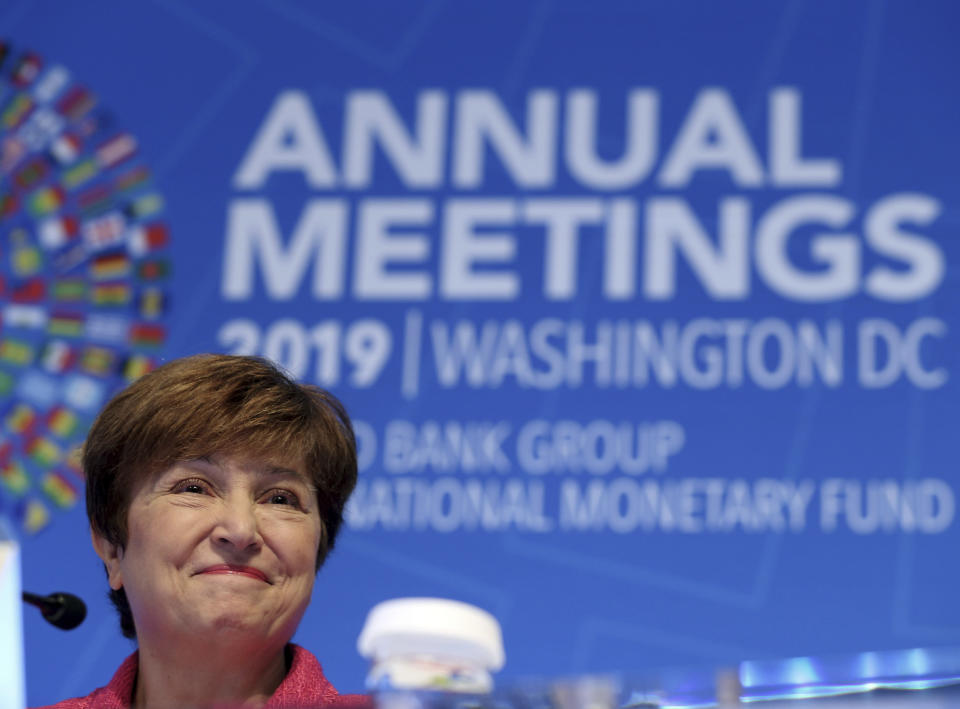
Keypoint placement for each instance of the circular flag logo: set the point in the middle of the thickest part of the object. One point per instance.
(83, 273)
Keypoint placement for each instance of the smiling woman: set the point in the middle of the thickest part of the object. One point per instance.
(215, 490)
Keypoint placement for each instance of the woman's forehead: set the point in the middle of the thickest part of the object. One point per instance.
(264, 464)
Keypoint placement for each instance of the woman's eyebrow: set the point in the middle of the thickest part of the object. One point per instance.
(281, 471)
(264, 470)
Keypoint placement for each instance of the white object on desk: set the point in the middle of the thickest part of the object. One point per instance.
(431, 643)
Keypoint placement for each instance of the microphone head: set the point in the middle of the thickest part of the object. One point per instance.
(68, 611)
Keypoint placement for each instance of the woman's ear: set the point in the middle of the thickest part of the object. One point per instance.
(111, 554)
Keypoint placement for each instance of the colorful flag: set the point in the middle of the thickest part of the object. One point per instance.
(8, 204)
(66, 324)
(21, 419)
(31, 174)
(57, 356)
(144, 239)
(116, 150)
(43, 451)
(14, 477)
(41, 126)
(110, 266)
(11, 150)
(27, 260)
(66, 148)
(104, 232)
(45, 200)
(51, 83)
(38, 389)
(69, 258)
(60, 490)
(70, 289)
(136, 366)
(55, 232)
(151, 303)
(107, 328)
(32, 290)
(78, 174)
(105, 295)
(6, 383)
(16, 352)
(146, 335)
(26, 69)
(83, 393)
(76, 102)
(99, 361)
(153, 270)
(74, 460)
(35, 516)
(62, 422)
(144, 207)
(132, 180)
(31, 317)
(95, 200)
(17, 110)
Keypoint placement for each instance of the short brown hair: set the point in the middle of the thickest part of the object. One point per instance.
(206, 404)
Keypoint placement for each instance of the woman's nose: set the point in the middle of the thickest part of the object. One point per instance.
(237, 524)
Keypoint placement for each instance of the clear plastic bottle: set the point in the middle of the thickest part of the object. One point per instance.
(422, 650)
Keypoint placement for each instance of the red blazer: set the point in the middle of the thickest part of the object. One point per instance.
(302, 688)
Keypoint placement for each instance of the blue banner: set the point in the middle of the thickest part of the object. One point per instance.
(645, 312)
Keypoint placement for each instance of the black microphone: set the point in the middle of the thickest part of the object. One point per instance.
(63, 610)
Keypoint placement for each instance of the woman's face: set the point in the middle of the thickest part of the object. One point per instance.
(223, 544)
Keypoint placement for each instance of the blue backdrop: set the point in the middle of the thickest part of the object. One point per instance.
(646, 311)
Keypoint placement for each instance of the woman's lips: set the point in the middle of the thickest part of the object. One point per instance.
(234, 569)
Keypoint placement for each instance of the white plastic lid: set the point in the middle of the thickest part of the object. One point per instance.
(432, 626)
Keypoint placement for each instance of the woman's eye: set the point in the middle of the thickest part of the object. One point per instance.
(282, 497)
(193, 486)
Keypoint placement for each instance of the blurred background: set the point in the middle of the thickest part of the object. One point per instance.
(645, 311)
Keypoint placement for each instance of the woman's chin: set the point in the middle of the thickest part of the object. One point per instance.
(234, 632)
(234, 624)
(227, 616)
